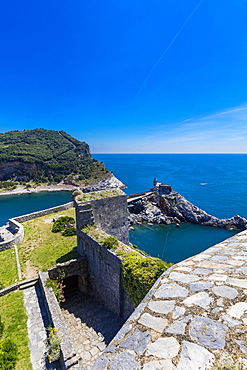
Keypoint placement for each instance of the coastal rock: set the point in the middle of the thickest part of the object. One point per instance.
(110, 182)
(174, 208)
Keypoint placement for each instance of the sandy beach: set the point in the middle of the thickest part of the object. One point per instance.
(37, 189)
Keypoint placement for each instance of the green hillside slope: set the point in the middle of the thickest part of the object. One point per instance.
(46, 155)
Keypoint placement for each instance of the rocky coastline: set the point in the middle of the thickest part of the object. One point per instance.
(50, 188)
(155, 207)
(161, 205)
(110, 182)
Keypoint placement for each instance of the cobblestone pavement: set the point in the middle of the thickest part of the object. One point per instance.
(194, 316)
(91, 326)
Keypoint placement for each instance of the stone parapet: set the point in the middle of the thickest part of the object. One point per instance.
(44, 212)
(194, 316)
(68, 356)
(20, 285)
(15, 233)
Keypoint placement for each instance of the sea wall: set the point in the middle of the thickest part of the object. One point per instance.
(44, 212)
(105, 276)
(194, 317)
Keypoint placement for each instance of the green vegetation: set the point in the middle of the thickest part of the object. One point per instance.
(53, 345)
(110, 242)
(58, 289)
(54, 156)
(14, 318)
(140, 273)
(8, 354)
(69, 231)
(41, 248)
(76, 192)
(229, 365)
(99, 195)
(62, 223)
(8, 275)
(8, 185)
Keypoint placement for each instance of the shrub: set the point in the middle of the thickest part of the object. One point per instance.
(53, 345)
(76, 192)
(110, 243)
(69, 231)
(140, 273)
(58, 289)
(8, 354)
(61, 223)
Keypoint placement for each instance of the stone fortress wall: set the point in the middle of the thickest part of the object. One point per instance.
(104, 267)
(104, 276)
(110, 214)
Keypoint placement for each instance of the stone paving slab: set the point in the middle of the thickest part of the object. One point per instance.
(91, 326)
(195, 315)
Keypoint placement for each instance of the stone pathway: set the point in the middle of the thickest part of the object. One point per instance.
(36, 324)
(91, 326)
(36, 328)
(194, 316)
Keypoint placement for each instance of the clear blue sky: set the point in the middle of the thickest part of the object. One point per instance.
(127, 76)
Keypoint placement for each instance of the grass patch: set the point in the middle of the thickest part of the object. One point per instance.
(42, 247)
(8, 269)
(14, 318)
(99, 195)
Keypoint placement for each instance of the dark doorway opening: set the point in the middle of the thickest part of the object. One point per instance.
(71, 283)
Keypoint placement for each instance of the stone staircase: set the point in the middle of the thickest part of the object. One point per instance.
(90, 325)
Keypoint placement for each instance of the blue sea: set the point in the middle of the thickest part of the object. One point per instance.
(17, 205)
(217, 183)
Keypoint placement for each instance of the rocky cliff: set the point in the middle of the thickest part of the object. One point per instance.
(174, 208)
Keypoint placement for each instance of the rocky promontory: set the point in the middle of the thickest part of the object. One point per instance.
(166, 207)
(109, 182)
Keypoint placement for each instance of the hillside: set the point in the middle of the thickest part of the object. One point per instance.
(46, 156)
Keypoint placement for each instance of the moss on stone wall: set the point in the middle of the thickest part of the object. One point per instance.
(140, 273)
